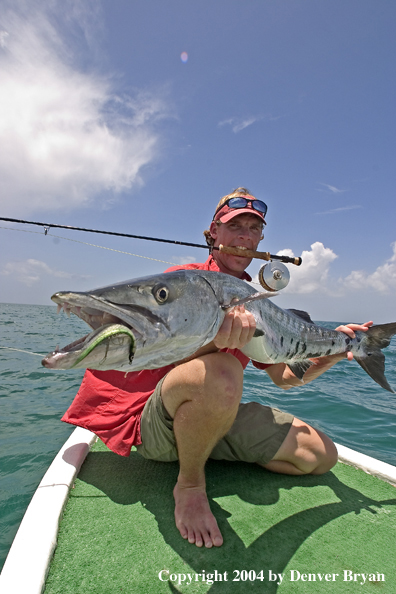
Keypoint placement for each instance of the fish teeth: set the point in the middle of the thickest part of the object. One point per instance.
(58, 308)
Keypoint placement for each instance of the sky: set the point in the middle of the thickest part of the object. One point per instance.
(136, 117)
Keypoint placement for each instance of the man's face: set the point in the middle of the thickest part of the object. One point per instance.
(244, 230)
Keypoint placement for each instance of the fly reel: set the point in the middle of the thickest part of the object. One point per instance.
(274, 276)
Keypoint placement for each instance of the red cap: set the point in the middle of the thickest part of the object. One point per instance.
(226, 213)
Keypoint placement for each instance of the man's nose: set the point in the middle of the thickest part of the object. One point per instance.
(246, 232)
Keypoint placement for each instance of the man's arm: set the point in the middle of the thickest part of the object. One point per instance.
(284, 378)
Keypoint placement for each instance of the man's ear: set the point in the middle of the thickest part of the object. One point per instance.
(213, 229)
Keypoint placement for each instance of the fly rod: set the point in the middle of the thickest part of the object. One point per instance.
(228, 250)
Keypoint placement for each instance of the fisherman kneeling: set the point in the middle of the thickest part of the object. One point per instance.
(191, 411)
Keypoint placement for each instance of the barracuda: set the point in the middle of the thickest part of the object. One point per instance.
(157, 320)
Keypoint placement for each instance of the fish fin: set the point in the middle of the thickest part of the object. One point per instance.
(254, 297)
(300, 367)
(373, 361)
(301, 314)
(374, 365)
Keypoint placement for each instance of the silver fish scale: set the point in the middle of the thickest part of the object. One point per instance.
(289, 338)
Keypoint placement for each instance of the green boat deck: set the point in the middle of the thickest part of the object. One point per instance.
(321, 533)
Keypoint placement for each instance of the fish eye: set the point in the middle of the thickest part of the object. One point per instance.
(161, 294)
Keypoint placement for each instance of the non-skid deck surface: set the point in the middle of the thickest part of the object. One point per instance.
(118, 532)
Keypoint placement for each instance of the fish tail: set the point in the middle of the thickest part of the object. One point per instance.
(373, 359)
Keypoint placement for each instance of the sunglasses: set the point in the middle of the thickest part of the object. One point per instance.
(241, 202)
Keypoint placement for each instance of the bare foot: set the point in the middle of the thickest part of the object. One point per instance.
(194, 519)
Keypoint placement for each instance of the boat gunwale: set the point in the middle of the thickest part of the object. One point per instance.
(36, 538)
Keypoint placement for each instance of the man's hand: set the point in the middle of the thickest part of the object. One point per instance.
(236, 330)
(350, 329)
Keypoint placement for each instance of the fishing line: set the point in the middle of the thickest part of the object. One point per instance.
(90, 244)
(104, 248)
(21, 351)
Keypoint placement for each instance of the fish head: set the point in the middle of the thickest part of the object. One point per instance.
(142, 323)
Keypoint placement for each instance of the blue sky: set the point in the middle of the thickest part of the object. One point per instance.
(104, 125)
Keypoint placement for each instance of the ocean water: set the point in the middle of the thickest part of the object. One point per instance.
(344, 403)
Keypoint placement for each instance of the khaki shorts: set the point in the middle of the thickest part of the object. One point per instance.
(256, 435)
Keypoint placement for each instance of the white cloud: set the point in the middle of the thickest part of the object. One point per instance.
(339, 209)
(67, 136)
(3, 39)
(383, 279)
(240, 123)
(331, 189)
(312, 275)
(31, 271)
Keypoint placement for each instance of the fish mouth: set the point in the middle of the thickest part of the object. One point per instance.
(98, 312)
(116, 328)
(104, 340)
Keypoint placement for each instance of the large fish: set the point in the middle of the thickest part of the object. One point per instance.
(157, 320)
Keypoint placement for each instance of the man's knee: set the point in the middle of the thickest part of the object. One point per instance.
(304, 451)
(317, 457)
(215, 381)
(223, 381)
(327, 458)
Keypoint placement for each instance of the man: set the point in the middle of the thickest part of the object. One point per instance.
(192, 410)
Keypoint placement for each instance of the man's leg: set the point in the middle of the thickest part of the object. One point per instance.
(202, 396)
(304, 451)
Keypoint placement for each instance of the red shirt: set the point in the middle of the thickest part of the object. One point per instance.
(110, 403)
